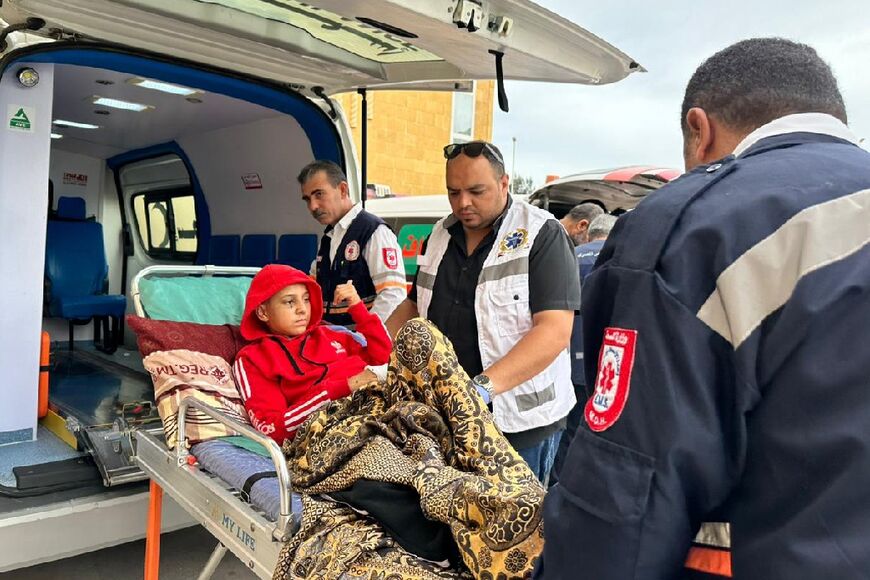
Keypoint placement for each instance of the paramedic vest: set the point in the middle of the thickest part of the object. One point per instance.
(349, 264)
(501, 304)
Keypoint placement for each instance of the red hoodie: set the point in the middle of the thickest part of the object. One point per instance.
(284, 379)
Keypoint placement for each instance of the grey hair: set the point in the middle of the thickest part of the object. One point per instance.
(601, 226)
(334, 173)
(585, 211)
(756, 81)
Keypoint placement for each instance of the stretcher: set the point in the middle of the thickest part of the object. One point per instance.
(248, 528)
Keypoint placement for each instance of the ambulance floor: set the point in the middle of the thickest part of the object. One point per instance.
(47, 447)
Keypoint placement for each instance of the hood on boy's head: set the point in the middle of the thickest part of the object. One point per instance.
(265, 284)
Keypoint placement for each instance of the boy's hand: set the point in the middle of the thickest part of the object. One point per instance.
(364, 378)
(346, 293)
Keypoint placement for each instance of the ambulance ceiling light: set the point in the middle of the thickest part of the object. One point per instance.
(28, 77)
(119, 104)
(63, 123)
(163, 87)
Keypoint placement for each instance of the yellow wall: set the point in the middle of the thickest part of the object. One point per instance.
(407, 132)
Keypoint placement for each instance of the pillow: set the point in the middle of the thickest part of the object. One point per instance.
(189, 359)
(223, 340)
(181, 373)
(202, 299)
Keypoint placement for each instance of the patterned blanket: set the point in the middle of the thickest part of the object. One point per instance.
(427, 428)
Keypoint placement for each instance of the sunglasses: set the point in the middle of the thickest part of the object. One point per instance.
(474, 149)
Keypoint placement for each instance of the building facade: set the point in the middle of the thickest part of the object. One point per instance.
(407, 131)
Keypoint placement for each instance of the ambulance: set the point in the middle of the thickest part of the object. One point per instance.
(169, 132)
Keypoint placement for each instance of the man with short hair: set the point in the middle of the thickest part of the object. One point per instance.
(586, 254)
(727, 346)
(576, 221)
(356, 246)
(498, 278)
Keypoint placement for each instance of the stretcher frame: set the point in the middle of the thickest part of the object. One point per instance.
(237, 525)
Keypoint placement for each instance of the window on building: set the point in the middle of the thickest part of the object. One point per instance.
(463, 117)
(166, 222)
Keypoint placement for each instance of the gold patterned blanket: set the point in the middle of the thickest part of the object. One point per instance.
(427, 428)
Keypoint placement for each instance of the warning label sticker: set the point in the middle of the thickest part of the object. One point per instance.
(20, 118)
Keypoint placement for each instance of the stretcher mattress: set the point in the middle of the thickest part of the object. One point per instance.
(235, 465)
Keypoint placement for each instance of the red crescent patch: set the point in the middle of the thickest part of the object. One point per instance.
(615, 362)
(351, 251)
(391, 258)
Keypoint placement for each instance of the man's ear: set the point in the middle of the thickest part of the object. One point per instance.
(505, 183)
(262, 314)
(344, 190)
(701, 135)
(582, 225)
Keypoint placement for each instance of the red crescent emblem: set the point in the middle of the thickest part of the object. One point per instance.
(612, 384)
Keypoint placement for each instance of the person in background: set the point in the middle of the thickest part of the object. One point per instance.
(727, 346)
(499, 279)
(576, 221)
(586, 254)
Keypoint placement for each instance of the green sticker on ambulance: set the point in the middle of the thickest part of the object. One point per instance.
(411, 238)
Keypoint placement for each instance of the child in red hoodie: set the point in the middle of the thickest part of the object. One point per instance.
(294, 365)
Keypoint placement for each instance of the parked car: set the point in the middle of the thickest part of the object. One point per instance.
(616, 190)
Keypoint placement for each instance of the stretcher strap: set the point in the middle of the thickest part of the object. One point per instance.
(249, 483)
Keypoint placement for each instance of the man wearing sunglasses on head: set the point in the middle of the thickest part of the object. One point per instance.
(499, 278)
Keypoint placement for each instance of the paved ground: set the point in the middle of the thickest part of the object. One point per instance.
(182, 556)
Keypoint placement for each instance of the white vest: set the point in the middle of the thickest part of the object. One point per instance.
(501, 304)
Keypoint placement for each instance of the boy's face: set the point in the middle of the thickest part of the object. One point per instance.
(288, 311)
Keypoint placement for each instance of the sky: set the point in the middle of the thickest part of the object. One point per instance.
(564, 129)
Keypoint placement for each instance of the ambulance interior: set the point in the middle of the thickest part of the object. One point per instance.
(172, 173)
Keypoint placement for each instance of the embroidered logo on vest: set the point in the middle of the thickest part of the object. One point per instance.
(513, 241)
(351, 251)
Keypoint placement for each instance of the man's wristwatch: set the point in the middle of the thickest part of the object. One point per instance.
(484, 387)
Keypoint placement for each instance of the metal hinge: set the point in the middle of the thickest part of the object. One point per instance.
(469, 15)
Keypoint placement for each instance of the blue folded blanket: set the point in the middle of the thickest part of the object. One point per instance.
(235, 465)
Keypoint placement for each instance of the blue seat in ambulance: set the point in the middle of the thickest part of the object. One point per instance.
(258, 250)
(224, 250)
(297, 250)
(76, 271)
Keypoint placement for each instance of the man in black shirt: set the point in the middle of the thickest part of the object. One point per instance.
(499, 278)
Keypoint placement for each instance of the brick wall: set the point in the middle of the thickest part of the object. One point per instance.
(407, 131)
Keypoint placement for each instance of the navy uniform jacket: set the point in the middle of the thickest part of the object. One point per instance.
(586, 254)
(731, 314)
